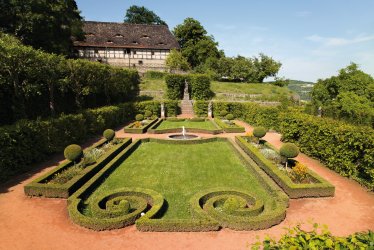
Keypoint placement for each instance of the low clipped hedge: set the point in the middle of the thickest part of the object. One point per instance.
(321, 189)
(347, 149)
(153, 129)
(41, 187)
(130, 128)
(229, 128)
(262, 215)
(151, 74)
(31, 141)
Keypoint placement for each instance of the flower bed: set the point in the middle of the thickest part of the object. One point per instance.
(311, 185)
(139, 127)
(65, 179)
(229, 126)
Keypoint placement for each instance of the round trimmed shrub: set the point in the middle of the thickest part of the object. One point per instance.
(259, 132)
(230, 117)
(223, 113)
(289, 150)
(109, 134)
(148, 113)
(231, 204)
(139, 117)
(73, 152)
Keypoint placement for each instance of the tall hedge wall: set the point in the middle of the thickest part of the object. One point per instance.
(31, 141)
(346, 149)
(37, 84)
(199, 86)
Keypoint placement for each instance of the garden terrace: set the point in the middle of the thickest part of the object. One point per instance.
(65, 179)
(229, 126)
(194, 125)
(181, 186)
(318, 187)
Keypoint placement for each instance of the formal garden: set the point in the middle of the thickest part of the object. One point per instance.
(89, 147)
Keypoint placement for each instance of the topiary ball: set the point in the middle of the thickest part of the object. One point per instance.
(109, 134)
(230, 117)
(73, 152)
(223, 113)
(139, 117)
(289, 150)
(231, 204)
(259, 132)
(148, 113)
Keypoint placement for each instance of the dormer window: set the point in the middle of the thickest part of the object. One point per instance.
(109, 41)
(135, 42)
(145, 36)
(118, 35)
(161, 43)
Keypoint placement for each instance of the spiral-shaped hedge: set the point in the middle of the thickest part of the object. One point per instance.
(235, 209)
(116, 209)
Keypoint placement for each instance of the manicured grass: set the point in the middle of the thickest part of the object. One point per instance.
(187, 124)
(153, 84)
(180, 171)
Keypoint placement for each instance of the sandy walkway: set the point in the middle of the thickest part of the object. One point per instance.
(36, 223)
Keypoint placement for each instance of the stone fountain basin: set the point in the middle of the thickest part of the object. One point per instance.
(183, 137)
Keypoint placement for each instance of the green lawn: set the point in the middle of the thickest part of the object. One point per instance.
(180, 171)
(187, 124)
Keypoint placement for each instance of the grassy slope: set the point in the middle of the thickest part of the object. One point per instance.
(187, 124)
(180, 171)
(269, 92)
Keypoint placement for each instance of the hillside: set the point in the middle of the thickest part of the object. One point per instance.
(302, 88)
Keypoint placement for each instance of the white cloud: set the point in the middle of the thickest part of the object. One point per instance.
(337, 41)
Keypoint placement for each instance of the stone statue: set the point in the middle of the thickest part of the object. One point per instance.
(210, 109)
(162, 110)
(186, 95)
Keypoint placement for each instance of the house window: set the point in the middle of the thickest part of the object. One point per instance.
(140, 62)
(134, 52)
(96, 51)
(127, 51)
(152, 53)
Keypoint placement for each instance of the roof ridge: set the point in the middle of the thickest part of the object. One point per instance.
(130, 24)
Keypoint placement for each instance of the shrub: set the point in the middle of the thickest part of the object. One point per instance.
(148, 113)
(139, 117)
(200, 87)
(229, 117)
(299, 173)
(73, 152)
(259, 132)
(231, 204)
(150, 74)
(289, 150)
(109, 134)
(175, 86)
(223, 113)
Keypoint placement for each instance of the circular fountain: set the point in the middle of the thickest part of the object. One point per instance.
(183, 136)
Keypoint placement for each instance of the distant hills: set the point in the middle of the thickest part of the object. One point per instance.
(302, 88)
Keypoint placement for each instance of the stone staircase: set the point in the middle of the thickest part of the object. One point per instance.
(186, 105)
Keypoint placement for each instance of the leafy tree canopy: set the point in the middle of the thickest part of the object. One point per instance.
(176, 61)
(142, 15)
(46, 25)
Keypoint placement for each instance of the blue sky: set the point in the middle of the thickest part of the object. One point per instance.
(313, 39)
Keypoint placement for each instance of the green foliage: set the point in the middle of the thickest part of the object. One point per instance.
(195, 44)
(45, 25)
(347, 149)
(175, 86)
(230, 117)
(319, 238)
(223, 113)
(148, 114)
(281, 82)
(142, 15)
(176, 61)
(109, 134)
(259, 132)
(200, 87)
(139, 117)
(231, 204)
(289, 150)
(38, 84)
(348, 96)
(73, 152)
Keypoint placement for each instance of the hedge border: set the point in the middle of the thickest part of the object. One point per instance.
(227, 129)
(39, 187)
(142, 130)
(321, 189)
(154, 130)
(149, 221)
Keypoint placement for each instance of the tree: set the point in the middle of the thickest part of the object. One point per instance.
(265, 66)
(176, 61)
(195, 44)
(347, 96)
(46, 25)
(142, 15)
